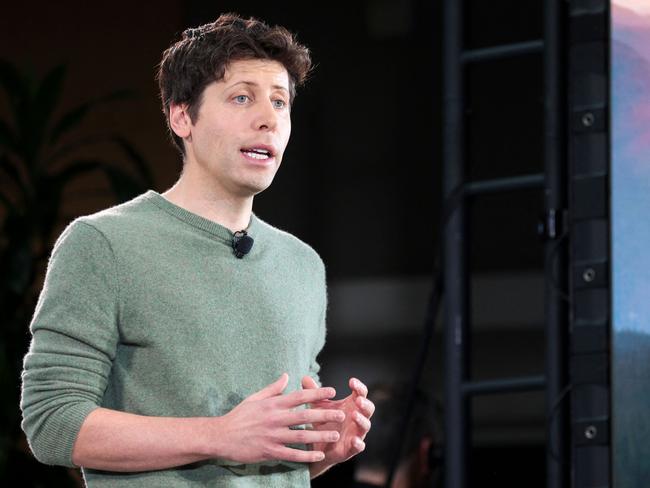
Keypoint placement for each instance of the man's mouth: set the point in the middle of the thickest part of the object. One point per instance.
(259, 153)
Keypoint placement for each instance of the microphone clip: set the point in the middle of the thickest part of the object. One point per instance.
(241, 243)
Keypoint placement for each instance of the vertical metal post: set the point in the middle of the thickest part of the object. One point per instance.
(555, 200)
(455, 253)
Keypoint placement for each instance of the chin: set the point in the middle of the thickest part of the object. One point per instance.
(256, 187)
(252, 190)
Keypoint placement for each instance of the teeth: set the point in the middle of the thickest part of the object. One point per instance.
(255, 155)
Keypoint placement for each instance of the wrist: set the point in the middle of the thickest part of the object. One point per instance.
(318, 468)
(209, 438)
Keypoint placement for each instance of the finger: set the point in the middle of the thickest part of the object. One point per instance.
(312, 416)
(274, 389)
(309, 382)
(358, 445)
(358, 387)
(301, 397)
(284, 453)
(306, 436)
(362, 422)
(366, 406)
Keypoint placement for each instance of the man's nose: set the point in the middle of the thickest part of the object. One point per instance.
(266, 116)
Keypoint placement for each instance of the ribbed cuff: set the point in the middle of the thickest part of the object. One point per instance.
(60, 433)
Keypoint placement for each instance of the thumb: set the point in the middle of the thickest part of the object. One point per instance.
(309, 383)
(274, 389)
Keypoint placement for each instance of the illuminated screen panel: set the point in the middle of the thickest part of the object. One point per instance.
(630, 200)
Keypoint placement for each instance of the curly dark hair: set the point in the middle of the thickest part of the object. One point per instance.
(203, 53)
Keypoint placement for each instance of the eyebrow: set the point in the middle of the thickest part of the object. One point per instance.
(252, 83)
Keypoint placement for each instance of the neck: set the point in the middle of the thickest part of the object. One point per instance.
(199, 194)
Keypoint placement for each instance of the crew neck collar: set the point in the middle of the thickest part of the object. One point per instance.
(198, 221)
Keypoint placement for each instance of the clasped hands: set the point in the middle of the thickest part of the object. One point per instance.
(258, 428)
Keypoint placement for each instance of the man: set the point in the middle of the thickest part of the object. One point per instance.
(166, 350)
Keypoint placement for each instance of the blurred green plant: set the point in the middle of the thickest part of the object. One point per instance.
(39, 156)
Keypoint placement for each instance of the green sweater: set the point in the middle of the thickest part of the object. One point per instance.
(146, 309)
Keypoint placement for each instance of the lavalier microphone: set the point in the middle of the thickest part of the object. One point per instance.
(242, 243)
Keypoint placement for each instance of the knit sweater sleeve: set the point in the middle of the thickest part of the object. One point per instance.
(74, 339)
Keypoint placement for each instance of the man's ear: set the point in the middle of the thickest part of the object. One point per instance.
(179, 120)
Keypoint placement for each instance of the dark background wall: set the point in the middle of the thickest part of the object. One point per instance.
(364, 162)
(362, 176)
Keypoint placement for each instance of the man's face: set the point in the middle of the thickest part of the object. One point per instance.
(243, 127)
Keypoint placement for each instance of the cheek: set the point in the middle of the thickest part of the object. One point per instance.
(286, 132)
(213, 138)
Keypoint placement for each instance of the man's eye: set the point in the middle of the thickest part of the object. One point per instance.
(279, 103)
(241, 98)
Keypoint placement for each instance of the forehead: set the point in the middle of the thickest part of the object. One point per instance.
(257, 71)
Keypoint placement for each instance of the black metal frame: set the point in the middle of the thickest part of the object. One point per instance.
(455, 274)
(458, 387)
(589, 259)
(555, 251)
